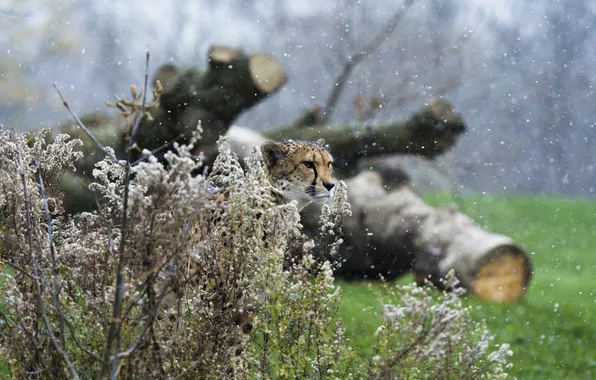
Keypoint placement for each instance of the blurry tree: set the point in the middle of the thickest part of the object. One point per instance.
(568, 29)
(547, 114)
(416, 53)
(348, 60)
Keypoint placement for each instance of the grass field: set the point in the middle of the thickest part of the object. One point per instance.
(552, 331)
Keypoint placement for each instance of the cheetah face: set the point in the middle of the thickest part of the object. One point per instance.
(300, 170)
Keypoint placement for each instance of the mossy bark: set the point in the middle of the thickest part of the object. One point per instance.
(232, 83)
(429, 132)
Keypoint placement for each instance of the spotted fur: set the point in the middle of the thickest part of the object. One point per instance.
(299, 170)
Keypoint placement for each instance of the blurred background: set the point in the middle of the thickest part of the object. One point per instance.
(520, 73)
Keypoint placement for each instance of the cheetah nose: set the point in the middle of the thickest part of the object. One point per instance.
(329, 185)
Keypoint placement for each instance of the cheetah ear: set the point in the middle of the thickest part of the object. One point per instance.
(273, 152)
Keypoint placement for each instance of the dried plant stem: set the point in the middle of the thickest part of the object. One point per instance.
(152, 315)
(70, 328)
(82, 126)
(36, 273)
(15, 266)
(162, 294)
(55, 285)
(113, 339)
(135, 127)
(158, 149)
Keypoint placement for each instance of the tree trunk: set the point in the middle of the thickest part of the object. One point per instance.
(233, 83)
(429, 132)
(393, 233)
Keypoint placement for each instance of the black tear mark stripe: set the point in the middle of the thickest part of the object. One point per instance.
(314, 169)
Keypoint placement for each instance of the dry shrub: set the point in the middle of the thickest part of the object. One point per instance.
(179, 285)
(430, 335)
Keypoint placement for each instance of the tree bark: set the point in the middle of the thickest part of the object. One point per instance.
(429, 132)
(392, 233)
(233, 83)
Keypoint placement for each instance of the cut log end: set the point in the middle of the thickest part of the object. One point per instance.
(441, 110)
(266, 72)
(223, 55)
(504, 276)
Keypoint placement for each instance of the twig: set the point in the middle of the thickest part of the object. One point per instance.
(161, 267)
(135, 127)
(82, 126)
(109, 232)
(152, 315)
(10, 320)
(342, 79)
(159, 148)
(15, 266)
(36, 271)
(72, 333)
(113, 342)
(382, 36)
(108, 251)
(56, 287)
(163, 293)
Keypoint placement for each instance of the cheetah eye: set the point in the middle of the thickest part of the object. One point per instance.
(309, 164)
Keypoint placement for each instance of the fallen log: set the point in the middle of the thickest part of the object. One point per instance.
(391, 233)
(233, 83)
(429, 132)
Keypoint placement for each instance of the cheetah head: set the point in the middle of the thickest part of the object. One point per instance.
(299, 170)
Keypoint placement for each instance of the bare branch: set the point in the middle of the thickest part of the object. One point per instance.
(10, 320)
(63, 318)
(383, 34)
(354, 59)
(113, 341)
(15, 266)
(56, 287)
(163, 293)
(83, 127)
(138, 121)
(452, 74)
(153, 313)
(159, 148)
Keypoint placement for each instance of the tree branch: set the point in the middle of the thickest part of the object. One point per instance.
(163, 293)
(63, 318)
(354, 59)
(15, 266)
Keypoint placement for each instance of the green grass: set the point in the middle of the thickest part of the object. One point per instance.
(552, 331)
